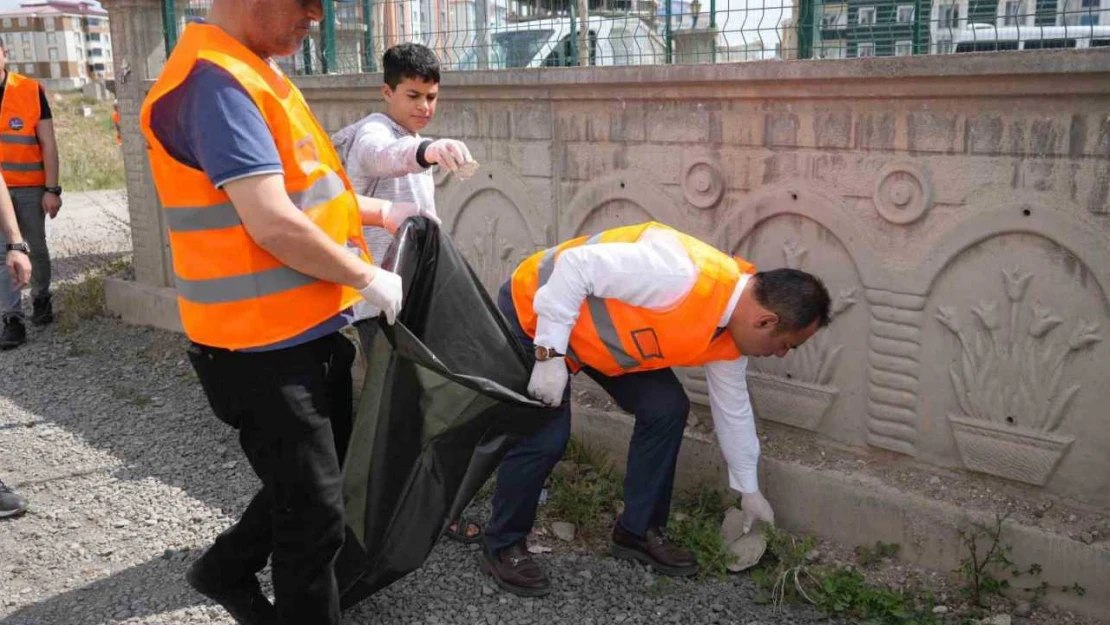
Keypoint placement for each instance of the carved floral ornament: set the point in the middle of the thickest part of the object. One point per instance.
(1009, 382)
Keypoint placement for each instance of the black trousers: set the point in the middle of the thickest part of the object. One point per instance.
(293, 411)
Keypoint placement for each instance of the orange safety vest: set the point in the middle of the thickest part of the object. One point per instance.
(19, 119)
(617, 338)
(231, 292)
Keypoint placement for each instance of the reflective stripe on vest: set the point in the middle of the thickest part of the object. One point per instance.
(223, 215)
(22, 164)
(603, 321)
(231, 292)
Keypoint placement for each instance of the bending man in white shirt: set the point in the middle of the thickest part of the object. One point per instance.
(625, 306)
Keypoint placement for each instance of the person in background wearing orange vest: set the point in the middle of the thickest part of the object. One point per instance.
(18, 269)
(269, 260)
(115, 122)
(625, 306)
(29, 160)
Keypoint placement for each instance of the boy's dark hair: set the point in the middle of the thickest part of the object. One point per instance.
(409, 60)
(797, 297)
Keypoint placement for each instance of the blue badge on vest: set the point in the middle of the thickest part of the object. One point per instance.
(16, 123)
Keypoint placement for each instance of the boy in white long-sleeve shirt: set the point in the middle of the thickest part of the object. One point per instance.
(625, 306)
(384, 154)
(386, 158)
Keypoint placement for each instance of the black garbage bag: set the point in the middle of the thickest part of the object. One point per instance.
(443, 400)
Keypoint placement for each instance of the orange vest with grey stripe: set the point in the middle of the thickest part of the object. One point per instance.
(617, 338)
(19, 142)
(231, 292)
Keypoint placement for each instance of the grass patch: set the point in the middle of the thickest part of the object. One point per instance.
(584, 486)
(587, 490)
(837, 591)
(84, 299)
(696, 524)
(87, 152)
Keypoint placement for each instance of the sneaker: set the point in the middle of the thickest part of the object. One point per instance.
(14, 335)
(11, 504)
(515, 571)
(243, 601)
(654, 550)
(42, 311)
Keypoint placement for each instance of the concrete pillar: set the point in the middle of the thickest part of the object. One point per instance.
(139, 51)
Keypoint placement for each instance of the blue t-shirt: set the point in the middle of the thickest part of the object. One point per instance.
(210, 123)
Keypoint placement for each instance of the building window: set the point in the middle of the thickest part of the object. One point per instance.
(1011, 12)
(865, 49)
(831, 51)
(834, 16)
(949, 16)
(905, 14)
(26, 37)
(28, 69)
(23, 21)
(903, 48)
(52, 54)
(55, 70)
(51, 39)
(7, 22)
(866, 16)
(27, 55)
(945, 47)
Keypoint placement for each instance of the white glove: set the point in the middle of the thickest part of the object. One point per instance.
(395, 213)
(755, 507)
(385, 292)
(448, 153)
(549, 380)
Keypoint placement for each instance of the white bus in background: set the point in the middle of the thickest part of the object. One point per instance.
(546, 43)
(991, 38)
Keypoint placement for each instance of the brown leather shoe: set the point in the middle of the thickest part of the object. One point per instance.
(653, 550)
(514, 570)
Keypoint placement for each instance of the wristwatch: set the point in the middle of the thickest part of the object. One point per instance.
(55, 190)
(19, 247)
(546, 353)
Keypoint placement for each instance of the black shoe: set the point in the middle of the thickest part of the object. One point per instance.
(11, 504)
(14, 335)
(42, 311)
(653, 550)
(243, 601)
(515, 571)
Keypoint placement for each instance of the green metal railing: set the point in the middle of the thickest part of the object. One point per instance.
(546, 33)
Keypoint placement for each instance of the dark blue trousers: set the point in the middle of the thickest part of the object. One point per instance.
(655, 398)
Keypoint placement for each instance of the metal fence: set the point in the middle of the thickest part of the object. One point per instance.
(504, 34)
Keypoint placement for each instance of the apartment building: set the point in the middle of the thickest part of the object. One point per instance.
(63, 45)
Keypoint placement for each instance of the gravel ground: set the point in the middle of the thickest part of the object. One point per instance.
(128, 475)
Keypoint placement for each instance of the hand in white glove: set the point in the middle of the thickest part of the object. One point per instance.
(755, 507)
(395, 213)
(549, 380)
(385, 292)
(448, 153)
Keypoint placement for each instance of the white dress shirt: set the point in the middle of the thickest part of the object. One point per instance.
(655, 272)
